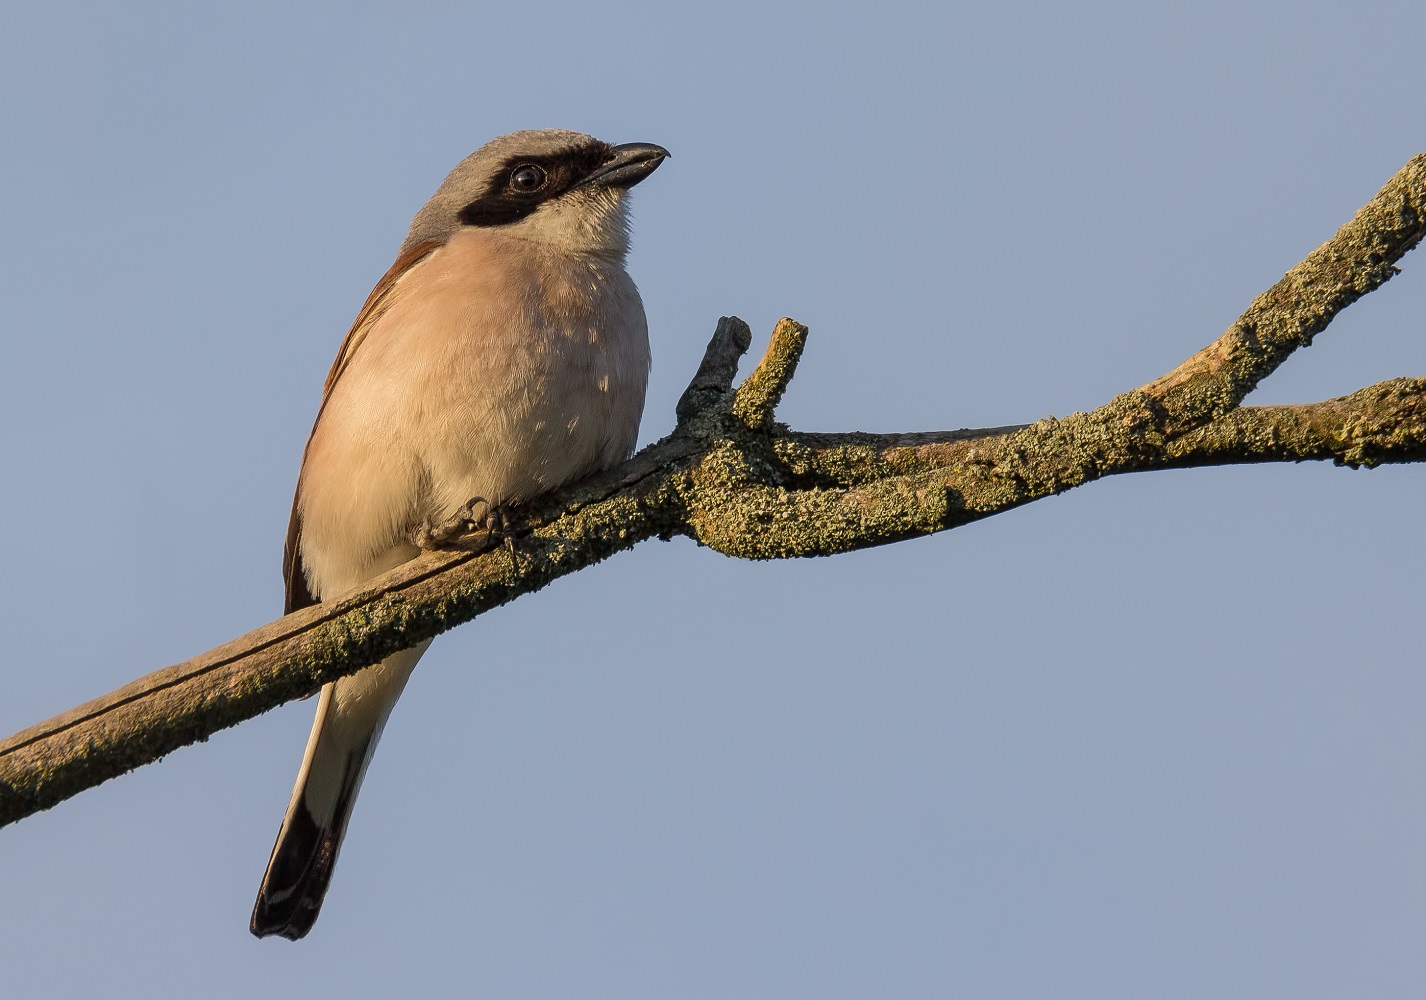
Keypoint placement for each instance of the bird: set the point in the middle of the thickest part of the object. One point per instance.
(504, 354)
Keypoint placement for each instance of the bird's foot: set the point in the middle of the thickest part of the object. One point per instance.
(471, 528)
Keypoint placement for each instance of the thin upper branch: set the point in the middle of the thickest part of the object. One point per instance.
(1359, 259)
(730, 477)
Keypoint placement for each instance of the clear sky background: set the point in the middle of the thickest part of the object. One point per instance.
(1161, 736)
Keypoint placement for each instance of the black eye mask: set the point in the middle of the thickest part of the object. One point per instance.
(508, 199)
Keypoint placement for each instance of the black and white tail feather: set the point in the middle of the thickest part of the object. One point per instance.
(351, 714)
(300, 868)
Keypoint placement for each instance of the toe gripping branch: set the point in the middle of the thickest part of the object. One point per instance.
(471, 530)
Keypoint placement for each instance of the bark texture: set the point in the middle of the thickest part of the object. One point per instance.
(734, 479)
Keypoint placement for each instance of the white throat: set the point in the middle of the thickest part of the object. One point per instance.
(593, 220)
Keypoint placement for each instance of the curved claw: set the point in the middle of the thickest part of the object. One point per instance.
(460, 524)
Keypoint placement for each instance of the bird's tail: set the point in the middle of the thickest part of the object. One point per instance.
(350, 715)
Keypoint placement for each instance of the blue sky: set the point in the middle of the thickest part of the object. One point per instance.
(1157, 737)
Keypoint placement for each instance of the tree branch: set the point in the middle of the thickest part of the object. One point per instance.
(1381, 424)
(733, 479)
(759, 395)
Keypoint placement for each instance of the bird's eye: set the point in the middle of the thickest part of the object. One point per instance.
(526, 178)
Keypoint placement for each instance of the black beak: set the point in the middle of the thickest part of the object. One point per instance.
(630, 163)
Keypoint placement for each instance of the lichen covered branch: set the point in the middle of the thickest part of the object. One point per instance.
(731, 477)
(1381, 424)
(757, 398)
(1359, 259)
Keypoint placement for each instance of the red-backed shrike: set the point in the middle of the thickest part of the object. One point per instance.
(503, 355)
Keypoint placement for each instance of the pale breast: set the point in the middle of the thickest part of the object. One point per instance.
(497, 370)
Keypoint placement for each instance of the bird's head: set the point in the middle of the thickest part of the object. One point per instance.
(562, 189)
